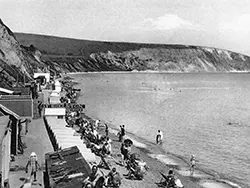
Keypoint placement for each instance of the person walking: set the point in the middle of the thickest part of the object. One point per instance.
(33, 163)
(40, 108)
(159, 137)
(192, 164)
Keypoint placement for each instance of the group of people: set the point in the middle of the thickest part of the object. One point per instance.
(71, 93)
(101, 146)
(98, 180)
(170, 180)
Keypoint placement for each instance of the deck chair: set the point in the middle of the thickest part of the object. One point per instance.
(103, 163)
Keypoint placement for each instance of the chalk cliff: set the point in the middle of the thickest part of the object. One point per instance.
(85, 55)
(23, 54)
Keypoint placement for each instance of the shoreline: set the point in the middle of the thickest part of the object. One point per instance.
(203, 178)
(153, 71)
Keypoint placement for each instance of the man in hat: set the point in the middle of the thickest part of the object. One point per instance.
(33, 163)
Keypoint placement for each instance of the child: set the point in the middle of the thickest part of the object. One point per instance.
(33, 164)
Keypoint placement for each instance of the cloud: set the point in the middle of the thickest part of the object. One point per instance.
(238, 27)
(168, 22)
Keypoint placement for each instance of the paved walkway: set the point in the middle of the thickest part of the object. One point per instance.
(37, 141)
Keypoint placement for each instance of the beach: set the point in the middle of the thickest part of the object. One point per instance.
(160, 161)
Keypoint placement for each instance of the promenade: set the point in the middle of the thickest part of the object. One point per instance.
(37, 141)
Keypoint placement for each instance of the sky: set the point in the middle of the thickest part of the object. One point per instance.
(214, 23)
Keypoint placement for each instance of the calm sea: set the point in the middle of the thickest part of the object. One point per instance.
(203, 114)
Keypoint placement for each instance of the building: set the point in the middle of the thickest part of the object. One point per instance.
(15, 91)
(5, 138)
(21, 105)
(54, 97)
(8, 141)
(42, 75)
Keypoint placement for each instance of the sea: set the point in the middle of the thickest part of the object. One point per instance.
(205, 114)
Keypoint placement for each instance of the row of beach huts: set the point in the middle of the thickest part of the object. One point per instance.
(71, 160)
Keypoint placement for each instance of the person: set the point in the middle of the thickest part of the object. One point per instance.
(192, 164)
(27, 125)
(113, 178)
(137, 167)
(159, 137)
(93, 177)
(33, 163)
(96, 134)
(170, 179)
(106, 149)
(97, 123)
(122, 133)
(178, 183)
(125, 151)
(40, 108)
(106, 130)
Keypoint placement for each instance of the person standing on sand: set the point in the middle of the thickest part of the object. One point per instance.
(122, 132)
(106, 130)
(97, 123)
(159, 137)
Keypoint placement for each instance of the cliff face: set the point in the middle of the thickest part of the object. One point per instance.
(19, 60)
(16, 63)
(84, 55)
(184, 59)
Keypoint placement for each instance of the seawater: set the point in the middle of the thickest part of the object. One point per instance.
(203, 114)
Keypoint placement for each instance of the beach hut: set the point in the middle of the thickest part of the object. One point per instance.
(21, 105)
(42, 74)
(58, 86)
(59, 113)
(5, 143)
(64, 137)
(54, 97)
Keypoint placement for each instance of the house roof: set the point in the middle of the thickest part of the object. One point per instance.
(73, 163)
(6, 90)
(55, 112)
(7, 111)
(20, 105)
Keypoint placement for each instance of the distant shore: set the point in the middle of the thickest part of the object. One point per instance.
(151, 71)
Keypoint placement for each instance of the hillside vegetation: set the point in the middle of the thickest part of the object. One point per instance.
(23, 54)
(107, 56)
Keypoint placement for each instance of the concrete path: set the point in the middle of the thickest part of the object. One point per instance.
(37, 141)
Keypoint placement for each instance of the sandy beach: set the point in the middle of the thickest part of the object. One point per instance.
(158, 161)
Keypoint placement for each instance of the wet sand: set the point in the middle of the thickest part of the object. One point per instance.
(158, 161)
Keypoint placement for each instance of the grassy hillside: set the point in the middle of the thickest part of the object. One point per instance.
(72, 55)
(66, 46)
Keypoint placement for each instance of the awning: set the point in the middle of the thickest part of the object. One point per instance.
(7, 111)
(55, 112)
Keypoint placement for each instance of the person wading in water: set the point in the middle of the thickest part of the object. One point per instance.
(159, 137)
